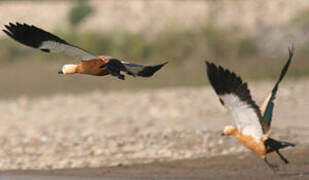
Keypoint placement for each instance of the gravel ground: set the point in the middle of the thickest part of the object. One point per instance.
(118, 128)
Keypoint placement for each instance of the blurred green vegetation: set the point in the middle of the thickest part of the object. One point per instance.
(79, 13)
(172, 43)
(24, 70)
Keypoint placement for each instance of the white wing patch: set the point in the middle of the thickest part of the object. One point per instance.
(245, 116)
(69, 50)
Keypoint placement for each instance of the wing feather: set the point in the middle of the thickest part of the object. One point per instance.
(235, 96)
(38, 38)
(269, 103)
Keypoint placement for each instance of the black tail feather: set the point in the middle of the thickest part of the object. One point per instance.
(115, 66)
(150, 70)
(276, 145)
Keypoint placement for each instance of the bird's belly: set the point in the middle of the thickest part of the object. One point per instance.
(252, 144)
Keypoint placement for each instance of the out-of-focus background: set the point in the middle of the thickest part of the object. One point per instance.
(249, 37)
(54, 121)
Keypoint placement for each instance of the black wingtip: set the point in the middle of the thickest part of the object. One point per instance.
(224, 81)
(6, 32)
(286, 66)
(210, 67)
(207, 62)
(291, 50)
(29, 35)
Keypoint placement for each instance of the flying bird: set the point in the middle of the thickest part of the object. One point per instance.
(35, 37)
(252, 123)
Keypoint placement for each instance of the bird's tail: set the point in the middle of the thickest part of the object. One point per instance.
(148, 71)
(115, 66)
(274, 145)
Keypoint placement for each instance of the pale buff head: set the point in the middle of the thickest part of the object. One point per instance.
(229, 130)
(68, 69)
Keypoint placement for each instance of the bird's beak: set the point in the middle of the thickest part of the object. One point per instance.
(60, 72)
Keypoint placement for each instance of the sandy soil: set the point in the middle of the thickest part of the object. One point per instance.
(240, 166)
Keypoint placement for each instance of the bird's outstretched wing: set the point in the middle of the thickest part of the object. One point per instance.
(115, 66)
(35, 37)
(269, 103)
(235, 96)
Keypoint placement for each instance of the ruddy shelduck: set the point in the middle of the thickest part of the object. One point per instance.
(252, 123)
(35, 37)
